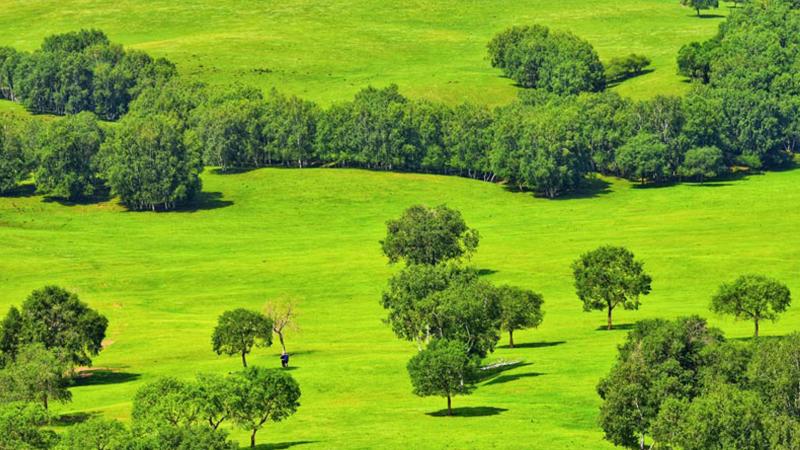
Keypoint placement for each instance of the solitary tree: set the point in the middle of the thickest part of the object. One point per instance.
(698, 5)
(520, 308)
(283, 313)
(752, 297)
(609, 277)
(261, 396)
(37, 375)
(444, 369)
(239, 330)
(425, 235)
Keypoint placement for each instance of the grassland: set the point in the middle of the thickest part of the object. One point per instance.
(326, 51)
(162, 279)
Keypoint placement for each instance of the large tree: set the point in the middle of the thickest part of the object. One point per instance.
(14, 157)
(521, 309)
(147, 164)
(237, 331)
(67, 165)
(446, 368)
(57, 319)
(752, 297)
(608, 277)
(261, 396)
(424, 235)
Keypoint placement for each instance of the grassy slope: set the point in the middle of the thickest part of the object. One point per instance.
(328, 50)
(163, 278)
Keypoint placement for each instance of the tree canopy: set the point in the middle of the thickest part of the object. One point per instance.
(445, 368)
(752, 297)
(237, 331)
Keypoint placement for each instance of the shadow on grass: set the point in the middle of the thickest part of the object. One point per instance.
(620, 327)
(280, 445)
(98, 377)
(534, 344)
(591, 188)
(622, 79)
(102, 195)
(486, 272)
(23, 190)
(205, 201)
(232, 170)
(708, 16)
(66, 420)
(513, 377)
(488, 373)
(470, 411)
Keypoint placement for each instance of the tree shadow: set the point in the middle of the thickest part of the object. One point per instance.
(620, 327)
(233, 170)
(470, 411)
(102, 195)
(708, 16)
(486, 272)
(205, 201)
(656, 185)
(99, 377)
(20, 191)
(280, 445)
(591, 188)
(534, 344)
(512, 377)
(489, 372)
(66, 420)
(617, 81)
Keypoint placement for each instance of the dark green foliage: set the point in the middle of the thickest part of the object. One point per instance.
(166, 402)
(95, 434)
(424, 235)
(146, 163)
(445, 368)
(20, 427)
(467, 138)
(752, 297)
(10, 331)
(230, 134)
(609, 277)
(261, 396)
(520, 309)
(14, 158)
(57, 319)
(67, 165)
(289, 130)
(643, 158)
(701, 163)
(694, 60)
(239, 330)
(36, 375)
(659, 360)
(619, 69)
(558, 62)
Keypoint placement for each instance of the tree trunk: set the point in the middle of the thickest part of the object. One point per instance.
(253, 439)
(449, 406)
(45, 402)
(244, 359)
(756, 322)
(610, 325)
(511, 338)
(280, 337)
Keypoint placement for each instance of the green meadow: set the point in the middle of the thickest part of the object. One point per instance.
(328, 50)
(163, 278)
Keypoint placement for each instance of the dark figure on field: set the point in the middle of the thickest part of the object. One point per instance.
(285, 360)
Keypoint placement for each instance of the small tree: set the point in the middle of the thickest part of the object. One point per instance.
(609, 277)
(520, 308)
(283, 313)
(261, 396)
(752, 297)
(95, 434)
(37, 375)
(239, 330)
(425, 235)
(702, 163)
(445, 369)
(698, 5)
(643, 157)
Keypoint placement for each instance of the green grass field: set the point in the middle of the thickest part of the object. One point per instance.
(162, 279)
(326, 51)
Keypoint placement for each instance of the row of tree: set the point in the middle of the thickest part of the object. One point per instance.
(680, 384)
(79, 71)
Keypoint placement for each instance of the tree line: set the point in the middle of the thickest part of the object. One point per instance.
(560, 131)
(46, 342)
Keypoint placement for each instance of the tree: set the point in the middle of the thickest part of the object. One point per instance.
(147, 164)
(239, 330)
(37, 375)
(14, 160)
(609, 277)
(643, 157)
(67, 165)
(752, 297)
(57, 319)
(229, 134)
(698, 5)
(702, 163)
(216, 397)
(283, 314)
(10, 330)
(445, 369)
(520, 308)
(20, 427)
(95, 434)
(289, 127)
(165, 402)
(261, 396)
(558, 62)
(619, 69)
(424, 235)
(694, 60)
